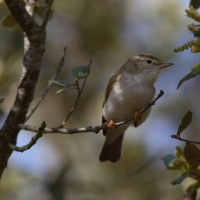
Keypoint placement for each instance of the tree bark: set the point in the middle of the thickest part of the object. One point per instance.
(32, 60)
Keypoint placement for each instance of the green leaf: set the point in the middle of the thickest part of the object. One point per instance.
(81, 72)
(63, 84)
(179, 179)
(192, 74)
(192, 154)
(8, 21)
(168, 159)
(186, 120)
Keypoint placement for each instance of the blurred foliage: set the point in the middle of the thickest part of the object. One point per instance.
(9, 21)
(68, 181)
(186, 160)
(97, 22)
(192, 13)
(108, 32)
(194, 72)
(194, 44)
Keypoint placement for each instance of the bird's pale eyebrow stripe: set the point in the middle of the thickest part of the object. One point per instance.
(148, 56)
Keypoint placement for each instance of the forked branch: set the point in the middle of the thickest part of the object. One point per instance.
(33, 140)
(43, 129)
(80, 91)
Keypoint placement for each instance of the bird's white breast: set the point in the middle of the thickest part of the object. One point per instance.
(127, 96)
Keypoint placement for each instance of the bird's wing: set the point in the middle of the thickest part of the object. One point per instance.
(109, 87)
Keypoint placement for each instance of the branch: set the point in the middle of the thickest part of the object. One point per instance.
(33, 140)
(184, 140)
(25, 21)
(60, 65)
(32, 61)
(48, 4)
(80, 91)
(94, 129)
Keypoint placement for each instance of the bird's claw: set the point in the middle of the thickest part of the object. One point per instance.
(110, 124)
(137, 118)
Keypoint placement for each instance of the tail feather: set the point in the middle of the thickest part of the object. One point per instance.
(112, 151)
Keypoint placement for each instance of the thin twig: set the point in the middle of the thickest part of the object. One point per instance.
(33, 140)
(80, 91)
(184, 140)
(48, 4)
(94, 129)
(60, 65)
(145, 165)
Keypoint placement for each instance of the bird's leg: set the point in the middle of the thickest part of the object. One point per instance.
(137, 118)
(110, 124)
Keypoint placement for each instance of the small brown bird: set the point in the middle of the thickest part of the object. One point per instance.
(128, 91)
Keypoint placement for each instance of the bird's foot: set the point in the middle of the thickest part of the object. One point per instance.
(137, 118)
(110, 124)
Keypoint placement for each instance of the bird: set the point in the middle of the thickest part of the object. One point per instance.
(128, 91)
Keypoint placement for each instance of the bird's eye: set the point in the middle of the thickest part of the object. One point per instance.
(149, 61)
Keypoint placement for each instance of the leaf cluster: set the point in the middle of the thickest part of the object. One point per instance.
(79, 72)
(194, 45)
(188, 161)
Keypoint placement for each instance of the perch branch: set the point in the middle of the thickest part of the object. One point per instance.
(60, 65)
(94, 129)
(143, 110)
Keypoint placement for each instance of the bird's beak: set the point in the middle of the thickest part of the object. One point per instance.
(164, 65)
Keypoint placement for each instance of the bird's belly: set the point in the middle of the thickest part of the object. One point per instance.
(120, 106)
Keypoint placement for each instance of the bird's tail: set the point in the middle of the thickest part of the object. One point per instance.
(112, 151)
